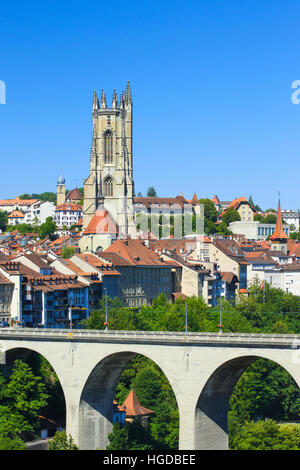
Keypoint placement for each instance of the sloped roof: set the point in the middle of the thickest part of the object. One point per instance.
(17, 214)
(101, 222)
(279, 233)
(135, 252)
(74, 195)
(133, 406)
(235, 204)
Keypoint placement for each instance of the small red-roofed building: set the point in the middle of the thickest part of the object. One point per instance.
(15, 218)
(99, 234)
(134, 410)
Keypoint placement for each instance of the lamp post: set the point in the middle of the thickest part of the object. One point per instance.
(186, 319)
(70, 319)
(106, 323)
(220, 325)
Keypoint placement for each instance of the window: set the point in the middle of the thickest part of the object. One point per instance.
(108, 147)
(108, 186)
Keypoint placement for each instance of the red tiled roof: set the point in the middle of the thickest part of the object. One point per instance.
(235, 204)
(215, 199)
(68, 206)
(74, 195)
(133, 406)
(17, 200)
(135, 252)
(279, 232)
(17, 214)
(102, 222)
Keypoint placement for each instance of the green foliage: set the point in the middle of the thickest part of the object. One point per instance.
(22, 396)
(62, 441)
(3, 220)
(231, 215)
(265, 390)
(210, 212)
(46, 196)
(151, 192)
(118, 438)
(47, 229)
(67, 252)
(22, 228)
(266, 435)
(12, 444)
(295, 236)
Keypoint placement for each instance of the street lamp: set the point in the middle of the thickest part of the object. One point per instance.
(186, 327)
(220, 325)
(106, 323)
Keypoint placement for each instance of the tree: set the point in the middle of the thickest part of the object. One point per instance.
(3, 220)
(12, 444)
(67, 252)
(62, 441)
(118, 438)
(151, 192)
(22, 396)
(47, 229)
(270, 219)
(210, 212)
(266, 435)
(230, 215)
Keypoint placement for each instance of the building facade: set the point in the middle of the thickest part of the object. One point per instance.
(110, 183)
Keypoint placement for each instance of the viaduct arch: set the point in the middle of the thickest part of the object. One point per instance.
(202, 369)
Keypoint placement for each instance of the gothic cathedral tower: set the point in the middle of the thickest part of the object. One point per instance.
(110, 183)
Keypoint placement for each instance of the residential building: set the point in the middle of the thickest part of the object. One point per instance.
(242, 206)
(108, 273)
(292, 218)
(15, 218)
(9, 205)
(144, 275)
(67, 214)
(38, 212)
(6, 295)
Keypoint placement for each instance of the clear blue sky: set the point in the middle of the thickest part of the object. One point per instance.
(211, 83)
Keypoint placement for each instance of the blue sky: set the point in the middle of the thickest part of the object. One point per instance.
(211, 84)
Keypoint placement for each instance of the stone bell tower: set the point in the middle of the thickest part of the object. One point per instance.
(110, 183)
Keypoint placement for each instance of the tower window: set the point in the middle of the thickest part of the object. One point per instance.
(108, 147)
(108, 186)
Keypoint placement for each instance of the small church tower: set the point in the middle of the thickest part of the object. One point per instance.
(279, 239)
(110, 183)
(61, 190)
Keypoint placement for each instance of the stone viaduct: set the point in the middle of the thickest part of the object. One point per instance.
(202, 369)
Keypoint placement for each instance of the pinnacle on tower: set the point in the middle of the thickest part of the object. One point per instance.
(103, 100)
(95, 101)
(115, 100)
(122, 100)
(128, 93)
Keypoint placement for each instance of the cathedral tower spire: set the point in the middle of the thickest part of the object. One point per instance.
(103, 100)
(115, 100)
(110, 183)
(95, 101)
